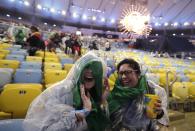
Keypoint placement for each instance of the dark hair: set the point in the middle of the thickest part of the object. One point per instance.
(34, 29)
(132, 63)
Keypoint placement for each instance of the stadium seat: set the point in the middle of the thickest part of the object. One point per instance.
(5, 45)
(113, 77)
(191, 77)
(12, 49)
(61, 55)
(11, 125)
(2, 56)
(14, 64)
(51, 65)
(191, 89)
(28, 76)
(163, 81)
(16, 98)
(15, 57)
(111, 83)
(66, 61)
(179, 91)
(30, 65)
(51, 59)
(110, 63)
(67, 67)
(109, 71)
(5, 76)
(53, 76)
(182, 77)
(34, 58)
(17, 46)
(39, 53)
(6, 52)
(19, 52)
(50, 55)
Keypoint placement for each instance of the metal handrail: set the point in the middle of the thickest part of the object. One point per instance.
(169, 84)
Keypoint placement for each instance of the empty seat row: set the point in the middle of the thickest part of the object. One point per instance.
(16, 98)
(31, 76)
(5, 76)
(183, 90)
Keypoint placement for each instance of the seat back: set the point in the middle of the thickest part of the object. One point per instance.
(191, 89)
(180, 91)
(16, 98)
(5, 76)
(51, 65)
(191, 77)
(5, 52)
(19, 52)
(66, 61)
(15, 57)
(2, 56)
(51, 59)
(59, 75)
(30, 65)
(113, 77)
(14, 64)
(28, 76)
(11, 125)
(67, 67)
(34, 58)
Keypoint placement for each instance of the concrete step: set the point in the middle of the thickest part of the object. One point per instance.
(175, 115)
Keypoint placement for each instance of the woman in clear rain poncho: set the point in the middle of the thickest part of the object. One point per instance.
(128, 111)
(74, 103)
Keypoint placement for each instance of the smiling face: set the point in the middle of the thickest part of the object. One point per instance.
(88, 79)
(128, 76)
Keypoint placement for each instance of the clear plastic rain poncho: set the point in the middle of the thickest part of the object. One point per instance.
(53, 110)
(127, 108)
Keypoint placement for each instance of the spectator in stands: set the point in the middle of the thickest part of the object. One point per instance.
(6, 37)
(56, 39)
(107, 46)
(74, 103)
(63, 40)
(19, 38)
(35, 41)
(166, 55)
(77, 45)
(68, 44)
(93, 45)
(126, 101)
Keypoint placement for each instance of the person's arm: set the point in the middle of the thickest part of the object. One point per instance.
(106, 90)
(162, 116)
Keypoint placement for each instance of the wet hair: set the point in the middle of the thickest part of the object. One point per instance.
(132, 63)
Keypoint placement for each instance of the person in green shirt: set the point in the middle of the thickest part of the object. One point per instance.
(127, 101)
(19, 38)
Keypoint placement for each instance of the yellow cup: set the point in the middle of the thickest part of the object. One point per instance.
(150, 100)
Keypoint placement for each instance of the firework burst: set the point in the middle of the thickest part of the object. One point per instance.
(135, 21)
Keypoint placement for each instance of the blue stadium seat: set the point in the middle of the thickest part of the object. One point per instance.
(66, 61)
(30, 65)
(5, 76)
(11, 125)
(28, 76)
(110, 63)
(15, 57)
(17, 46)
(19, 52)
(12, 49)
